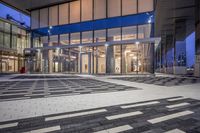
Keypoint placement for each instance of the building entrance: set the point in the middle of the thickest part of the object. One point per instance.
(86, 63)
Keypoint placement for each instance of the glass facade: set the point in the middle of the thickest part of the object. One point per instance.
(87, 10)
(97, 51)
(13, 40)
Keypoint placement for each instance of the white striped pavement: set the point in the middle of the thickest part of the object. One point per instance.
(175, 131)
(45, 130)
(8, 125)
(177, 105)
(140, 104)
(75, 114)
(116, 129)
(113, 117)
(168, 117)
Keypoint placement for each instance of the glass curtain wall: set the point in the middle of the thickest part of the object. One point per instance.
(13, 40)
(87, 10)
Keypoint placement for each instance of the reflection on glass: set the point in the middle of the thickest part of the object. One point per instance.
(87, 37)
(75, 38)
(100, 36)
(129, 33)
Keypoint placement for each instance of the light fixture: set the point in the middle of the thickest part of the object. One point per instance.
(50, 27)
(137, 43)
(106, 44)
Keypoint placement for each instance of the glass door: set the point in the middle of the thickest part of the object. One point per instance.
(86, 63)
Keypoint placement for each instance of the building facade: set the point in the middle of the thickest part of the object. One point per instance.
(93, 37)
(197, 29)
(14, 38)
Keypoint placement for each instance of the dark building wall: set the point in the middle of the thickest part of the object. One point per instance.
(197, 25)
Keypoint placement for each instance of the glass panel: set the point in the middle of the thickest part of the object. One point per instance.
(53, 16)
(14, 36)
(113, 59)
(75, 11)
(75, 38)
(44, 41)
(145, 5)
(101, 59)
(144, 31)
(137, 58)
(64, 39)
(64, 13)
(114, 8)
(1, 33)
(35, 19)
(129, 33)
(129, 7)
(99, 9)
(100, 36)
(74, 60)
(86, 10)
(44, 17)
(87, 37)
(7, 35)
(36, 42)
(53, 40)
(114, 34)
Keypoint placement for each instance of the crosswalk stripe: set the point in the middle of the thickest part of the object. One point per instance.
(113, 117)
(45, 130)
(8, 125)
(168, 117)
(177, 105)
(175, 131)
(74, 115)
(116, 129)
(176, 99)
(140, 104)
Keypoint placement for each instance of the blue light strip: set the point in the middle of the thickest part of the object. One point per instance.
(16, 16)
(131, 20)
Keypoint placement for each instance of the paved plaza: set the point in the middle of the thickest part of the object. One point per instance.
(66, 103)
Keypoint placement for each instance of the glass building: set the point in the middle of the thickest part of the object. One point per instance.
(93, 37)
(13, 40)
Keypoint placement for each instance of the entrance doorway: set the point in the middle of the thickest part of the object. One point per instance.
(86, 63)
